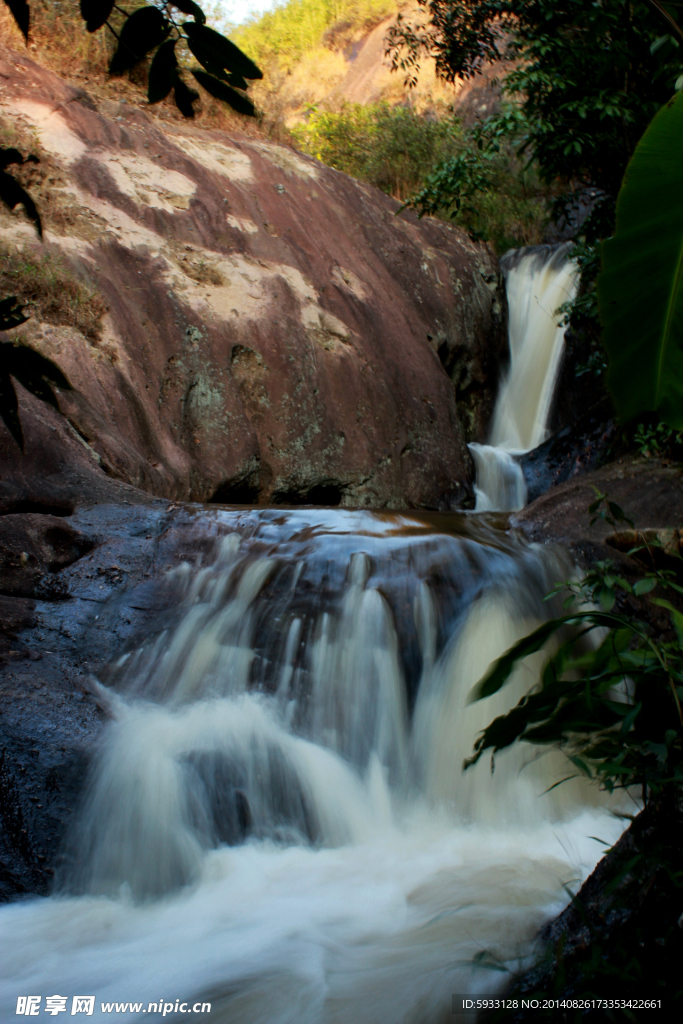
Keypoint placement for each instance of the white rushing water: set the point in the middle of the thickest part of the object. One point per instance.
(277, 822)
(538, 281)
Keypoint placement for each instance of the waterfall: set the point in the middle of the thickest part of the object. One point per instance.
(538, 281)
(277, 822)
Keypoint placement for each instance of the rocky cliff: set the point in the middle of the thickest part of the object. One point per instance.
(268, 330)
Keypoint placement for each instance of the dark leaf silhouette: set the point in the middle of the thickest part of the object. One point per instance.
(20, 12)
(12, 194)
(142, 32)
(222, 91)
(235, 80)
(162, 72)
(36, 373)
(13, 156)
(11, 313)
(95, 13)
(184, 97)
(8, 408)
(191, 8)
(29, 366)
(213, 50)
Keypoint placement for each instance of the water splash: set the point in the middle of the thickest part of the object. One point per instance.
(538, 281)
(277, 821)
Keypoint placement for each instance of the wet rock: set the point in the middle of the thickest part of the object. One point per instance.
(274, 332)
(33, 548)
(49, 646)
(621, 936)
(576, 449)
(650, 491)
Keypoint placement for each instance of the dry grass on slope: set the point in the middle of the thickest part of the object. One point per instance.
(43, 282)
(59, 41)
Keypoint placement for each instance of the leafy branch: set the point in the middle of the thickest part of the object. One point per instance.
(611, 695)
(156, 30)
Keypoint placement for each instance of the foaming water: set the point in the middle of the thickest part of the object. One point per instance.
(538, 281)
(277, 821)
(499, 480)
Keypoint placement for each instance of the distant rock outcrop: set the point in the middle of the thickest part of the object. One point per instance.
(274, 332)
(350, 65)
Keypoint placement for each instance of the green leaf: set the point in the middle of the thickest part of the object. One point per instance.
(95, 13)
(501, 670)
(211, 48)
(12, 194)
(222, 91)
(20, 13)
(644, 586)
(640, 288)
(631, 717)
(162, 72)
(9, 408)
(618, 513)
(145, 29)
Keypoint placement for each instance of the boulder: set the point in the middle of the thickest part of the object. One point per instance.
(650, 491)
(586, 444)
(263, 328)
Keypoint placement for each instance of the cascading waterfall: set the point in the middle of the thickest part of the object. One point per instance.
(277, 821)
(538, 281)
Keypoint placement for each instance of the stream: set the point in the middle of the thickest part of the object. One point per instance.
(277, 823)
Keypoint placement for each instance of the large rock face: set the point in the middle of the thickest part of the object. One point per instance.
(274, 332)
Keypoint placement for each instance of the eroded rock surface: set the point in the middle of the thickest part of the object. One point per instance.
(650, 491)
(274, 332)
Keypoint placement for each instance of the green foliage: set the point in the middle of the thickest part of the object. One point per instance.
(588, 77)
(582, 312)
(486, 188)
(610, 695)
(581, 127)
(392, 148)
(283, 35)
(657, 440)
(641, 285)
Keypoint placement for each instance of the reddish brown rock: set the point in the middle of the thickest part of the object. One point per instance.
(273, 331)
(649, 491)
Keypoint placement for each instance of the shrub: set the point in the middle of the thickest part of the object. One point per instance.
(390, 147)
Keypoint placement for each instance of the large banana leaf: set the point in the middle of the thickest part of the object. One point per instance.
(640, 289)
